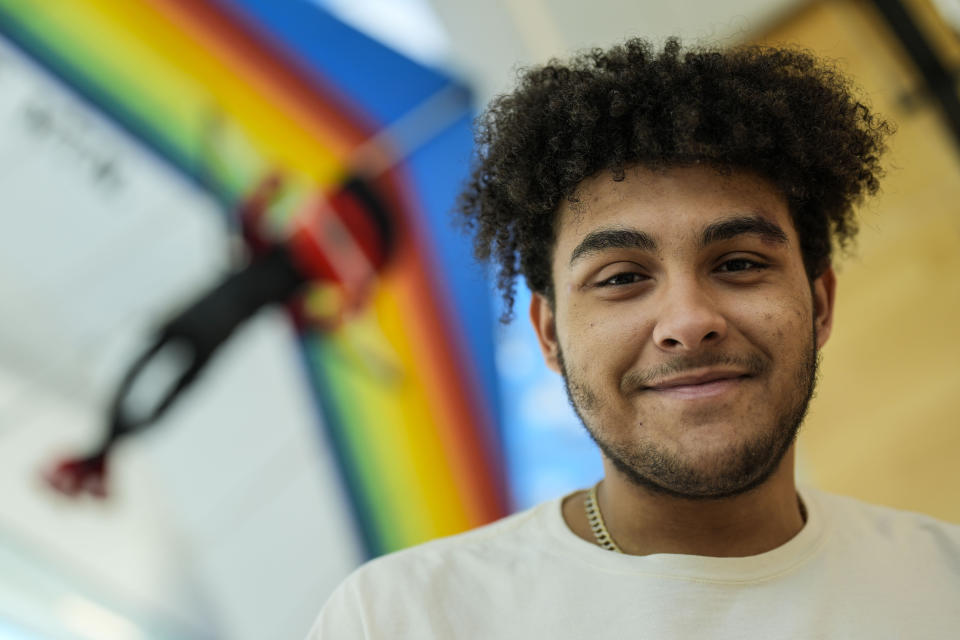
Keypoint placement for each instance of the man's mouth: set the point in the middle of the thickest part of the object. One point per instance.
(699, 384)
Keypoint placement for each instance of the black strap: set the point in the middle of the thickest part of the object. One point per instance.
(940, 81)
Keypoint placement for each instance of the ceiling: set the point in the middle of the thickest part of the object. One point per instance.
(485, 42)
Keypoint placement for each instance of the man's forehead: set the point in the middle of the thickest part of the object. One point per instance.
(692, 196)
(608, 182)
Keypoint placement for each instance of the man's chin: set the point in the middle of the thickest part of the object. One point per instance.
(703, 473)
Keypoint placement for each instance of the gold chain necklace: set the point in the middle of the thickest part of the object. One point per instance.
(595, 519)
(599, 527)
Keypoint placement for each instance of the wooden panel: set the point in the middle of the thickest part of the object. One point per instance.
(885, 425)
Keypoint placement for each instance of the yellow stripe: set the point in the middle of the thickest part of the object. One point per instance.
(445, 511)
(399, 436)
(293, 145)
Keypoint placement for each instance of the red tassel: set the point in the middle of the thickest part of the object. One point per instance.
(74, 476)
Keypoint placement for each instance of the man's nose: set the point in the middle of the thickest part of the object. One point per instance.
(688, 318)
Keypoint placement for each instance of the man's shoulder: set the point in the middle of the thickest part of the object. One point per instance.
(433, 585)
(859, 520)
(503, 542)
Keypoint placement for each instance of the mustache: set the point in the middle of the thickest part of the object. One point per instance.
(752, 364)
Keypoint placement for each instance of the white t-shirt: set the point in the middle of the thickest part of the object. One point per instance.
(855, 570)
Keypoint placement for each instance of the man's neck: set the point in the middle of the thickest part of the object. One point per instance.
(643, 522)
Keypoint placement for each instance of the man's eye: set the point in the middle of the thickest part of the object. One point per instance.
(620, 279)
(740, 264)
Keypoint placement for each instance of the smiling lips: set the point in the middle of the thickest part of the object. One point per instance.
(701, 385)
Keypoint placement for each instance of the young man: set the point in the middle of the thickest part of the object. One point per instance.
(674, 215)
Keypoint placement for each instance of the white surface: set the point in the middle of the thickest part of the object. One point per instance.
(253, 490)
(89, 256)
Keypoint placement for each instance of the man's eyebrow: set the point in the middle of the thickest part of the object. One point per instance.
(615, 238)
(733, 227)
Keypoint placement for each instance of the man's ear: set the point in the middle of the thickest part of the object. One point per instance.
(544, 323)
(824, 289)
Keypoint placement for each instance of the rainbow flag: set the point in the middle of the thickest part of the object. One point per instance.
(232, 92)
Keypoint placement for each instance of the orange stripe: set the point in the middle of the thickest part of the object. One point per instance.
(463, 422)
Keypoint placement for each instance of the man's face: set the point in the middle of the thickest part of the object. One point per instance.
(685, 326)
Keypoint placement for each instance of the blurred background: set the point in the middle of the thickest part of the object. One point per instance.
(136, 138)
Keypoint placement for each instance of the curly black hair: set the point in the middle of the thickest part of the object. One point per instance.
(780, 113)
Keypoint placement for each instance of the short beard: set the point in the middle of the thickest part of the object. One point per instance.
(651, 467)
